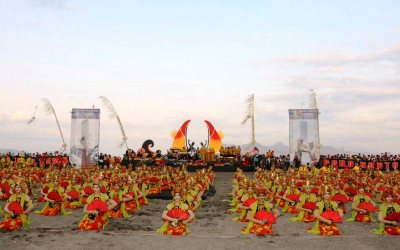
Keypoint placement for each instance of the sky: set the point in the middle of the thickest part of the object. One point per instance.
(163, 62)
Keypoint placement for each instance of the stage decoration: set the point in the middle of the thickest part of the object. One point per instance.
(85, 137)
(113, 114)
(304, 141)
(180, 137)
(250, 115)
(214, 137)
(147, 145)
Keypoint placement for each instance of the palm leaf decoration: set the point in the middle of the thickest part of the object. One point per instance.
(113, 115)
(49, 109)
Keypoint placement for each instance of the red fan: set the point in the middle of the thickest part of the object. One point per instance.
(340, 197)
(350, 190)
(310, 205)
(154, 179)
(265, 215)
(370, 195)
(55, 196)
(15, 207)
(46, 189)
(98, 205)
(293, 197)
(332, 216)
(5, 187)
(178, 213)
(73, 194)
(249, 202)
(103, 189)
(64, 184)
(315, 190)
(367, 206)
(393, 216)
(116, 200)
(88, 190)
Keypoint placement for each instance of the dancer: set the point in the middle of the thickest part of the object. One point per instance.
(261, 216)
(17, 209)
(327, 214)
(176, 216)
(96, 210)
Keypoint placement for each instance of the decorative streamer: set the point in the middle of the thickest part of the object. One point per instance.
(113, 114)
(33, 116)
(250, 115)
(48, 108)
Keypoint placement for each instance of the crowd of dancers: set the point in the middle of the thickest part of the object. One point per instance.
(318, 196)
(115, 193)
(311, 195)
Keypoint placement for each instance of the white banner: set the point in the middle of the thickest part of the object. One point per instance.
(304, 139)
(85, 134)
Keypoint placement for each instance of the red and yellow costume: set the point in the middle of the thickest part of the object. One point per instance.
(94, 222)
(255, 228)
(357, 215)
(321, 228)
(302, 215)
(180, 229)
(16, 221)
(54, 208)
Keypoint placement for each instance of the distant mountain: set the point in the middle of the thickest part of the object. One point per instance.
(7, 150)
(282, 149)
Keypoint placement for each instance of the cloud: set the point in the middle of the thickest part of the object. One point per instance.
(54, 4)
(357, 94)
(14, 117)
(335, 61)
